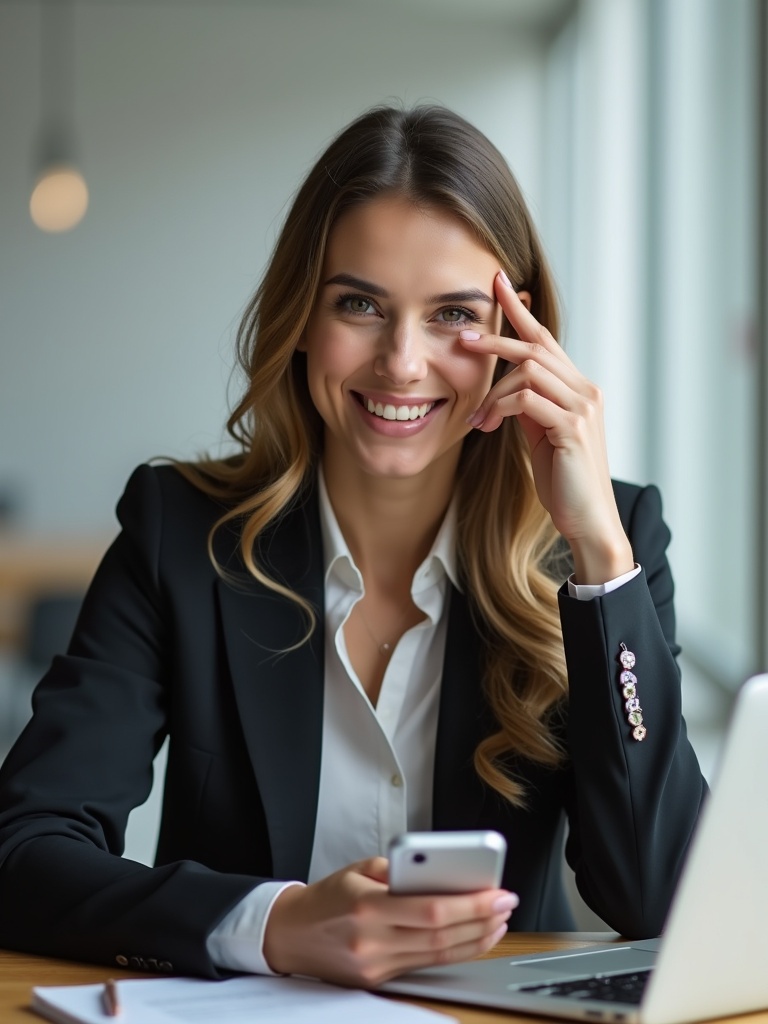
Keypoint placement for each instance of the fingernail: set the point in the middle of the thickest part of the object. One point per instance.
(499, 934)
(505, 279)
(476, 418)
(508, 901)
(469, 336)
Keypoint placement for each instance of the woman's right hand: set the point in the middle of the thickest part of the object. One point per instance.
(349, 929)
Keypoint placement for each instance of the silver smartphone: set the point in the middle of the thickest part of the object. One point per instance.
(446, 862)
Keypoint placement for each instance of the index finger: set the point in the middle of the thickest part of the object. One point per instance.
(442, 910)
(522, 319)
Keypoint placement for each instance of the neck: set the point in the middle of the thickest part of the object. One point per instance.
(389, 524)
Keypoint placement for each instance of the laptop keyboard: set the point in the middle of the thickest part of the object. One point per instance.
(613, 988)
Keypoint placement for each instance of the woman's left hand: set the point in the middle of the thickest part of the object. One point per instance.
(561, 415)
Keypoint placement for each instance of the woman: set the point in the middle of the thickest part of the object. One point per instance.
(402, 605)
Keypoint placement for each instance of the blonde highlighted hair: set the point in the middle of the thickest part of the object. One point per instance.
(506, 541)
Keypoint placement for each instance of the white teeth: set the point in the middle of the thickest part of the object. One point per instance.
(400, 412)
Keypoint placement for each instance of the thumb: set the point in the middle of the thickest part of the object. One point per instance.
(533, 432)
(376, 868)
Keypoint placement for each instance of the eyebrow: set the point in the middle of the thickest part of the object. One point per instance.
(466, 295)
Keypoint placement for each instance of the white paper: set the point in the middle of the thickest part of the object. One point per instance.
(241, 1000)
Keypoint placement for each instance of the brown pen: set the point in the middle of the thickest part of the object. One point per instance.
(110, 999)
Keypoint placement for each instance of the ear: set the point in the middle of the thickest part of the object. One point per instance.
(525, 298)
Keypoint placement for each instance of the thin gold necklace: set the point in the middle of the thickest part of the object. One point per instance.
(385, 647)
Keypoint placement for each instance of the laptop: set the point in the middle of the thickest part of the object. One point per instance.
(711, 960)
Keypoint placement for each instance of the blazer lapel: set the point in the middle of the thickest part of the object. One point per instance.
(464, 719)
(279, 691)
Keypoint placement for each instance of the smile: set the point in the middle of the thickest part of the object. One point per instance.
(398, 412)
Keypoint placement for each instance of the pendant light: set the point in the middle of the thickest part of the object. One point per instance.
(59, 198)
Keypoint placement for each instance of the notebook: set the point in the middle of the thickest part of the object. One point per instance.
(711, 959)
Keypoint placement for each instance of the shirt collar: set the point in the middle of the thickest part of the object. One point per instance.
(338, 560)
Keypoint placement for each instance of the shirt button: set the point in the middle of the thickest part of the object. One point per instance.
(396, 780)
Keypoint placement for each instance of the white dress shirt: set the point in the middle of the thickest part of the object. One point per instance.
(377, 763)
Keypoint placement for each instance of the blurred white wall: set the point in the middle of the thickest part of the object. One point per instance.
(593, 213)
(195, 122)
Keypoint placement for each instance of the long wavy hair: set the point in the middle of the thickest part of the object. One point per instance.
(506, 541)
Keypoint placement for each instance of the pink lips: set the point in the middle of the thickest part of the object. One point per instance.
(395, 427)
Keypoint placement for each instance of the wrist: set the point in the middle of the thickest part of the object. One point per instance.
(598, 562)
(279, 950)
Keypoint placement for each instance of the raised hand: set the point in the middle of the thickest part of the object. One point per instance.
(561, 415)
(348, 928)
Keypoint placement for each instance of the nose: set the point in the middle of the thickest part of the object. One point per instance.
(401, 355)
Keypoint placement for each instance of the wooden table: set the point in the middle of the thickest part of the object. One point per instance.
(19, 972)
(32, 564)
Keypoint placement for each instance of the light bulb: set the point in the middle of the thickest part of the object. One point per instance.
(59, 199)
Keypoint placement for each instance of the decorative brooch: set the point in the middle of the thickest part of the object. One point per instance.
(628, 681)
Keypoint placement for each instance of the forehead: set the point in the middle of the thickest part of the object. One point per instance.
(397, 244)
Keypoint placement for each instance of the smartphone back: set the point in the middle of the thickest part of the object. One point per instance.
(446, 862)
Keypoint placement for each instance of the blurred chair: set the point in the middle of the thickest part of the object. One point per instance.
(9, 505)
(49, 623)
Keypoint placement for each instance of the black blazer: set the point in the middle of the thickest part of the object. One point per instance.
(164, 645)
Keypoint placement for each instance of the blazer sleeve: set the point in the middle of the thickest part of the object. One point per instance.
(83, 762)
(632, 805)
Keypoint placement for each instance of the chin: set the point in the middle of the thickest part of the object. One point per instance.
(393, 472)
(398, 467)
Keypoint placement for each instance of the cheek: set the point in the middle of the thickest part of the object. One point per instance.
(473, 375)
(327, 354)
(493, 370)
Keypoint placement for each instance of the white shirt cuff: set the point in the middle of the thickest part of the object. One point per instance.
(586, 591)
(237, 941)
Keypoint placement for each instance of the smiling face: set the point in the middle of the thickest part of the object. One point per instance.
(386, 370)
